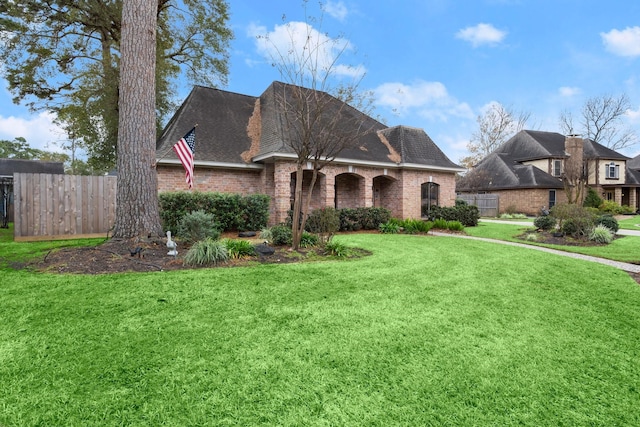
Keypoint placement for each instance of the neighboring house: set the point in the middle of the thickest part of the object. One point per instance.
(526, 172)
(10, 166)
(241, 148)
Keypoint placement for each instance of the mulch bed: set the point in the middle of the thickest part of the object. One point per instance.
(118, 256)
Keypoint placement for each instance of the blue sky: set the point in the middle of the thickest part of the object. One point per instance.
(436, 64)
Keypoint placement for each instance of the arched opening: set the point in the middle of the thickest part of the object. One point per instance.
(430, 194)
(385, 194)
(348, 191)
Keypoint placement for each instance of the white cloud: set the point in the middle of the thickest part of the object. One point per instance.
(39, 131)
(623, 43)
(336, 9)
(568, 91)
(481, 34)
(299, 43)
(426, 99)
(633, 116)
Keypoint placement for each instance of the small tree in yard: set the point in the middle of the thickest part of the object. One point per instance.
(319, 120)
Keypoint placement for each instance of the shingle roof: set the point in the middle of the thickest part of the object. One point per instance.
(10, 166)
(415, 146)
(222, 135)
(222, 118)
(499, 171)
(634, 163)
(504, 168)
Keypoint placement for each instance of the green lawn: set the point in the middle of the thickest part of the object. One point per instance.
(630, 222)
(426, 331)
(623, 248)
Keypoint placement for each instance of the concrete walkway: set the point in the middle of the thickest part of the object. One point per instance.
(631, 268)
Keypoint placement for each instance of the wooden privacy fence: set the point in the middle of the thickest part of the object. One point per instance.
(488, 204)
(51, 206)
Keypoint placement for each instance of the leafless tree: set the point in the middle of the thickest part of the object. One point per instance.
(601, 120)
(574, 176)
(495, 126)
(321, 118)
(137, 210)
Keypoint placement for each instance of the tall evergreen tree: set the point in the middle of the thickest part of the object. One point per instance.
(137, 211)
(64, 56)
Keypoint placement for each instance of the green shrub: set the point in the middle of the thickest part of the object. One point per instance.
(205, 252)
(601, 234)
(337, 249)
(455, 226)
(468, 215)
(592, 200)
(324, 222)
(197, 225)
(232, 211)
(612, 208)
(582, 218)
(390, 227)
(572, 228)
(531, 237)
(349, 220)
(239, 248)
(545, 222)
(354, 219)
(308, 240)
(281, 235)
(608, 221)
(440, 223)
(413, 226)
(265, 234)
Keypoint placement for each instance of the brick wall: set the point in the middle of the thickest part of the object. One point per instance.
(527, 201)
(171, 178)
(397, 190)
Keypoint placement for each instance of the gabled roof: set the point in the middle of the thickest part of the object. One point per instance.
(504, 168)
(243, 131)
(10, 166)
(499, 171)
(416, 147)
(221, 135)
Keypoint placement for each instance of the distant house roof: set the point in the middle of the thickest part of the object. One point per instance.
(504, 168)
(228, 124)
(10, 166)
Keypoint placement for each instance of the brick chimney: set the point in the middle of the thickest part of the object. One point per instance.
(574, 148)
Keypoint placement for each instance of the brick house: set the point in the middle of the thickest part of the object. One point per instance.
(526, 172)
(241, 148)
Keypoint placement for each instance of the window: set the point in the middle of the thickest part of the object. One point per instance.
(552, 198)
(430, 195)
(556, 168)
(612, 171)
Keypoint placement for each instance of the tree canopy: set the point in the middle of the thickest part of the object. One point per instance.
(64, 55)
(495, 126)
(601, 120)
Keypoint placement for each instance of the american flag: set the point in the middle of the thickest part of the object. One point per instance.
(185, 149)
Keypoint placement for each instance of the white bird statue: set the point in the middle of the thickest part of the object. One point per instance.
(173, 246)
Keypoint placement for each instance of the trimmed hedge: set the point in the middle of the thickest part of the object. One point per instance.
(232, 212)
(354, 219)
(467, 215)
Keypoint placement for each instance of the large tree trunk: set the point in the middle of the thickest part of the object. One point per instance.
(137, 211)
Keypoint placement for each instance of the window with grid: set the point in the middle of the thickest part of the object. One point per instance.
(612, 171)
